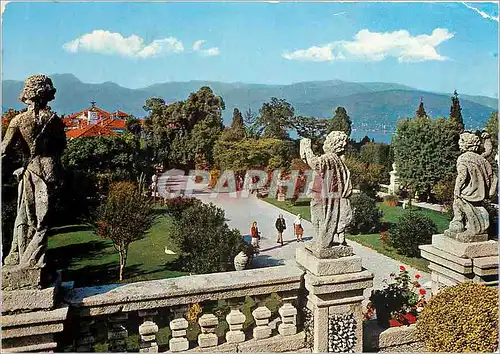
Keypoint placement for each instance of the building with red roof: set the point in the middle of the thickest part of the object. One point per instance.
(95, 121)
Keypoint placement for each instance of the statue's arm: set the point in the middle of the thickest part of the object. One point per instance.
(9, 136)
(460, 180)
(307, 154)
(488, 146)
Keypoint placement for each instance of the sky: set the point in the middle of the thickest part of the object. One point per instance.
(430, 46)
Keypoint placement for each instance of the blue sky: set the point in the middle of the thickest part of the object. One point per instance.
(430, 46)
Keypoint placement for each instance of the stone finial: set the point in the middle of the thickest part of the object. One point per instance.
(235, 319)
(147, 331)
(261, 316)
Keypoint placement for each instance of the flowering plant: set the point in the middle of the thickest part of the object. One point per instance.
(401, 299)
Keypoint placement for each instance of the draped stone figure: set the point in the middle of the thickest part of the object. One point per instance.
(474, 184)
(330, 207)
(42, 139)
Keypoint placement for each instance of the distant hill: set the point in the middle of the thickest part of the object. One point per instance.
(374, 107)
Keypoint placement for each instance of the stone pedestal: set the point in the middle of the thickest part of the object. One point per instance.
(335, 287)
(31, 318)
(453, 262)
(281, 197)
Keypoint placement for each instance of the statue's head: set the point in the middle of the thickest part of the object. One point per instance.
(38, 89)
(335, 142)
(469, 142)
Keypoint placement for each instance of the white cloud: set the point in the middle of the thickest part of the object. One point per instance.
(105, 42)
(210, 52)
(376, 46)
(482, 13)
(339, 13)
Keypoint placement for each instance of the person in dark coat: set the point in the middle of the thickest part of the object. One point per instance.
(280, 227)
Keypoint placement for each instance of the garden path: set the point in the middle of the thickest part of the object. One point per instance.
(241, 212)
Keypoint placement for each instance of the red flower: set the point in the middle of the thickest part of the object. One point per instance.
(422, 291)
(417, 276)
(402, 268)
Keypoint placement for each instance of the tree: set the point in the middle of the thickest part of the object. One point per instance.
(456, 111)
(311, 128)
(133, 126)
(340, 122)
(124, 217)
(425, 151)
(237, 130)
(250, 120)
(420, 112)
(275, 118)
(492, 129)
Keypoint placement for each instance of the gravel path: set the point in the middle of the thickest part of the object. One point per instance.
(241, 212)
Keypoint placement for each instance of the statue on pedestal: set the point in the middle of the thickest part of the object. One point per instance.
(42, 137)
(475, 183)
(331, 210)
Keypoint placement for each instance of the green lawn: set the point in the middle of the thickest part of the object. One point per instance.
(391, 215)
(90, 260)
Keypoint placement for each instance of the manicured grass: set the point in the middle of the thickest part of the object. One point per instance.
(391, 215)
(88, 259)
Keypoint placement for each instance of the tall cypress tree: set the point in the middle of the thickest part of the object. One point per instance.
(456, 111)
(340, 121)
(420, 112)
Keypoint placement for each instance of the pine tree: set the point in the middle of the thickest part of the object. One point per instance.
(420, 112)
(456, 111)
(340, 121)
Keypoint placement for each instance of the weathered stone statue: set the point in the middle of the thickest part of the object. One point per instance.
(475, 183)
(330, 207)
(41, 135)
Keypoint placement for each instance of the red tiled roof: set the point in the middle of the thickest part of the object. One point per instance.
(90, 130)
(101, 112)
(114, 123)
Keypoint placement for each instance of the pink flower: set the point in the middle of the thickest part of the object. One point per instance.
(402, 268)
(422, 291)
(417, 276)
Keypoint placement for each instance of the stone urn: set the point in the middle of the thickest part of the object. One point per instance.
(241, 261)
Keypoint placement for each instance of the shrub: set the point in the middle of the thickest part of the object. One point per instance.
(366, 215)
(462, 318)
(411, 230)
(443, 190)
(384, 238)
(206, 243)
(175, 206)
(391, 200)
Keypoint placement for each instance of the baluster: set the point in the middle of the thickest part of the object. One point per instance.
(288, 313)
(207, 338)
(235, 319)
(85, 341)
(148, 330)
(261, 316)
(117, 333)
(178, 326)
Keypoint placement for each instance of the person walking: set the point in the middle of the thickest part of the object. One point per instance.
(254, 232)
(280, 227)
(299, 230)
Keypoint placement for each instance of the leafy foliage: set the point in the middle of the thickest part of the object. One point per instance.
(340, 122)
(124, 216)
(411, 230)
(400, 296)
(176, 206)
(366, 215)
(275, 118)
(206, 243)
(425, 151)
(461, 318)
(237, 130)
(443, 190)
(456, 111)
(366, 177)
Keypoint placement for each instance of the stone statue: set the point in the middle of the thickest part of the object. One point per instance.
(41, 135)
(475, 183)
(330, 207)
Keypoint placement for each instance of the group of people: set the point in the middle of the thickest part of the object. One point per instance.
(280, 226)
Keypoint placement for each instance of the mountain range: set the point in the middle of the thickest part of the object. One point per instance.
(374, 107)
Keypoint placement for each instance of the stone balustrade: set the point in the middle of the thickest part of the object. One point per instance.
(149, 299)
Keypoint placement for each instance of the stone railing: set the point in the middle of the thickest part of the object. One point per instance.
(394, 339)
(170, 301)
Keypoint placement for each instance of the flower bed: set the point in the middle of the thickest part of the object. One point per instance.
(399, 302)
